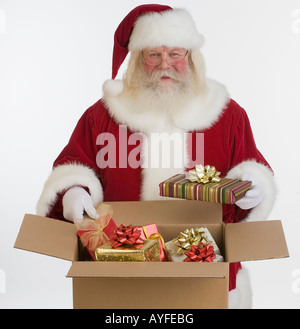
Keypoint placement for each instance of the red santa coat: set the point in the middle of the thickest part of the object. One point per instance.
(228, 145)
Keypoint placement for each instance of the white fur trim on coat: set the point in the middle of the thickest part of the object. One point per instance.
(265, 178)
(201, 112)
(160, 165)
(241, 297)
(65, 176)
(171, 28)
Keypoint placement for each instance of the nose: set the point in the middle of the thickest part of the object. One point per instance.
(164, 65)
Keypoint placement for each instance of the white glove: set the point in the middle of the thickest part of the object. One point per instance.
(254, 196)
(75, 201)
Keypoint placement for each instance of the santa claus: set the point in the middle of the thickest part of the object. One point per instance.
(164, 90)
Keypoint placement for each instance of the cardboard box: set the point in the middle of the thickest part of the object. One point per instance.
(159, 284)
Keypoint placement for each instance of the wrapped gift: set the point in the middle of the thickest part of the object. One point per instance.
(150, 232)
(149, 251)
(204, 184)
(94, 233)
(187, 240)
(126, 244)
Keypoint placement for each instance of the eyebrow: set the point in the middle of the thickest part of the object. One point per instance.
(160, 51)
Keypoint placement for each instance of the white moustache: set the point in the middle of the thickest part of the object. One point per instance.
(157, 74)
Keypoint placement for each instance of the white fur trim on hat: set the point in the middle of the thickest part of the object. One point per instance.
(171, 28)
(265, 178)
(63, 177)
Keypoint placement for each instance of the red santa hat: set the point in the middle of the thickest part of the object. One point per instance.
(149, 26)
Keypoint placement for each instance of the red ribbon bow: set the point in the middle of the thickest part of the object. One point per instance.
(126, 235)
(201, 253)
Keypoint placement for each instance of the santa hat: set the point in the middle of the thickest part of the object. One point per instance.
(149, 26)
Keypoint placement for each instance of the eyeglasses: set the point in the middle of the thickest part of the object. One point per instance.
(152, 57)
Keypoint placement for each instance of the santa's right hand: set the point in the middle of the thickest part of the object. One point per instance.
(75, 202)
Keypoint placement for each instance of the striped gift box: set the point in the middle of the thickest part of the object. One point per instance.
(226, 191)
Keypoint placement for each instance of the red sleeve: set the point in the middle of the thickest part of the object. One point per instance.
(80, 149)
(243, 148)
(243, 143)
(82, 144)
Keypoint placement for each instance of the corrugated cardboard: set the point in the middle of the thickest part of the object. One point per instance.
(265, 238)
(156, 285)
(49, 237)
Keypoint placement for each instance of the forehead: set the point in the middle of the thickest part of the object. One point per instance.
(165, 49)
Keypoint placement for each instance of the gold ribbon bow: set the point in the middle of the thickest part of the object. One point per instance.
(204, 175)
(154, 236)
(188, 238)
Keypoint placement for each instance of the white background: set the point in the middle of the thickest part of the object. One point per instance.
(55, 56)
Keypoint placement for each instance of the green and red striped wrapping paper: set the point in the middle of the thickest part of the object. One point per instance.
(226, 191)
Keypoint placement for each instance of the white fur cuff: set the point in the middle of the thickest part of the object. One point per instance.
(265, 178)
(65, 176)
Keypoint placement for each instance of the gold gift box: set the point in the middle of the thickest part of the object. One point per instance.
(149, 251)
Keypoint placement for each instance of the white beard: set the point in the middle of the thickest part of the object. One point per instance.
(147, 109)
(178, 86)
(161, 97)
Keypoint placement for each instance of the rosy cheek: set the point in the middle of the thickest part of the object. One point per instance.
(181, 67)
(148, 68)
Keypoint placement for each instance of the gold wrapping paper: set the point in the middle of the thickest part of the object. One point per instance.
(149, 251)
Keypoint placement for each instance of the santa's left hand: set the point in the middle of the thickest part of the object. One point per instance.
(254, 196)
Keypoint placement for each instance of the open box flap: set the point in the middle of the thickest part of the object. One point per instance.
(48, 236)
(166, 212)
(259, 240)
(147, 270)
